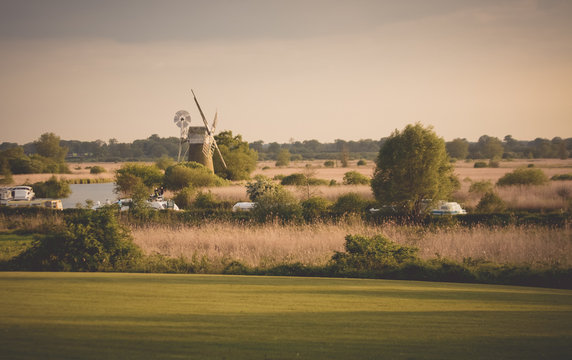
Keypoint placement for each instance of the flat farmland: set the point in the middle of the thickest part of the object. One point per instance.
(149, 316)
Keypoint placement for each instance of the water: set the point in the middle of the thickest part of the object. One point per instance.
(96, 192)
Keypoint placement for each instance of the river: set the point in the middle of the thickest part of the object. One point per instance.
(96, 192)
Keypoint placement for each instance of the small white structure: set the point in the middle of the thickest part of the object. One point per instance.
(448, 208)
(243, 206)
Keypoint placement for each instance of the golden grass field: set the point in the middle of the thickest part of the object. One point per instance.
(314, 244)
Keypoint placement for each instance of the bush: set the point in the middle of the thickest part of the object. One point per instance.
(294, 179)
(480, 164)
(494, 164)
(206, 200)
(184, 198)
(561, 177)
(187, 174)
(329, 163)
(261, 186)
(491, 203)
(315, 208)
(361, 162)
(131, 177)
(355, 178)
(164, 162)
(372, 254)
(87, 241)
(481, 187)
(96, 170)
(53, 188)
(350, 203)
(277, 204)
(523, 176)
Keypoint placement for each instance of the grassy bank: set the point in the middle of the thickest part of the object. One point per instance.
(136, 316)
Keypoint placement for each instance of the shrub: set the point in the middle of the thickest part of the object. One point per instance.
(350, 203)
(53, 188)
(184, 198)
(329, 163)
(494, 164)
(314, 208)
(361, 162)
(279, 204)
(132, 176)
(355, 178)
(481, 187)
(294, 179)
(206, 200)
(96, 170)
(491, 203)
(480, 164)
(164, 162)
(190, 174)
(372, 254)
(87, 241)
(261, 186)
(523, 176)
(561, 177)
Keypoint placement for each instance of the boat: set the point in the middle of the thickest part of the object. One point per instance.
(55, 204)
(448, 208)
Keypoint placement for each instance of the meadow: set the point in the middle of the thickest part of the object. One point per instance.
(153, 316)
(271, 244)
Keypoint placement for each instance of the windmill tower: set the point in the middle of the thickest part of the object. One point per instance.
(200, 139)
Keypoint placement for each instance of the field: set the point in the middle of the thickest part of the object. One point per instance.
(542, 197)
(314, 244)
(142, 316)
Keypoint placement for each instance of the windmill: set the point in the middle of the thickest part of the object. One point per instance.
(183, 121)
(200, 139)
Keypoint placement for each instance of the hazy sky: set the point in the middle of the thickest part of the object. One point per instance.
(278, 70)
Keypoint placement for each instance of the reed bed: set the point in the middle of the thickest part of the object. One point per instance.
(314, 244)
(238, 193)
(553, 196)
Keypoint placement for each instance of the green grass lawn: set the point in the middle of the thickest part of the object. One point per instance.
(12, 245)
(149, 316)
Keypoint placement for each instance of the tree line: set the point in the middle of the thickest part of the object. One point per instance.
(154, 147)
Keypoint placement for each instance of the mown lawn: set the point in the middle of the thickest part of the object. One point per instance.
(12, 245)
(152, 316)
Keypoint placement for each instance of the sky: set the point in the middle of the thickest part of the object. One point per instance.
(285, 70)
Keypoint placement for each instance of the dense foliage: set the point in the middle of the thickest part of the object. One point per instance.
(413, 167)
(240, 159)
(52, 188)
(193, 174)
(523, 176)
(87, 241)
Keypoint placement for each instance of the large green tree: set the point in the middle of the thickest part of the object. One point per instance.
(48, 145)
(240, 159)
(413, 170)
(458, 148)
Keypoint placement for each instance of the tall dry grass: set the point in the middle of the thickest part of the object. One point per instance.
(272, 244)
(555, 195)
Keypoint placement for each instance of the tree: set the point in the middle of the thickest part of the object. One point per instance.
(48, 145)
(490, 147)
(283, 158)
(240, 159)
(458, 148)
(411, 168)
(131, 178)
